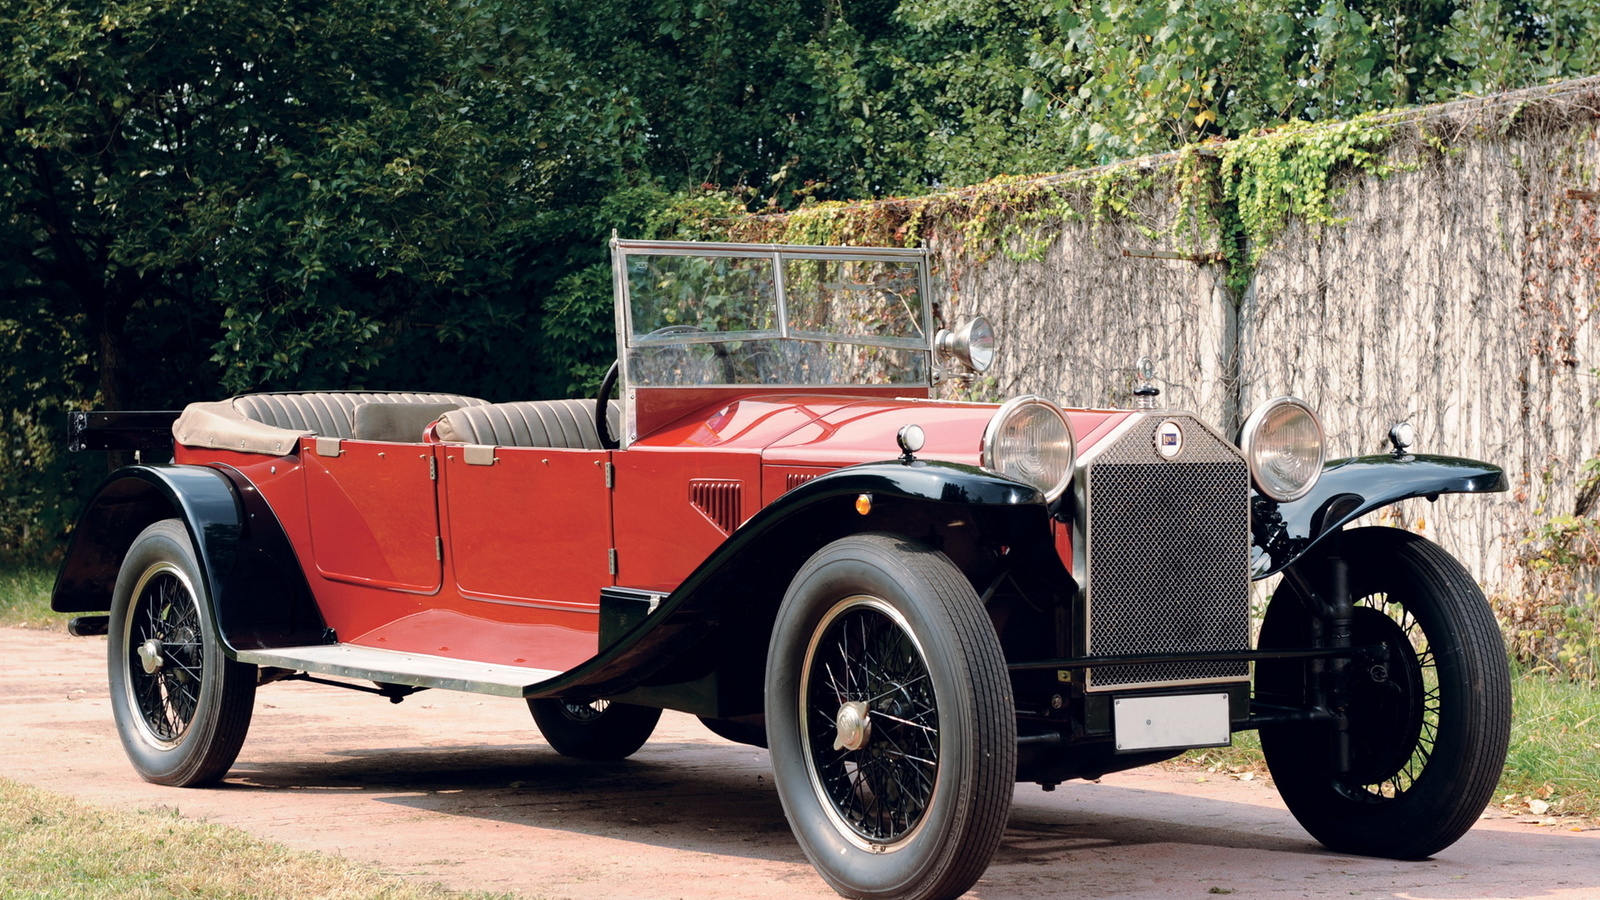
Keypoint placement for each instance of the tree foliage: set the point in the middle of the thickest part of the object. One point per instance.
(1148, 76)
(209, 196)
(201, 197)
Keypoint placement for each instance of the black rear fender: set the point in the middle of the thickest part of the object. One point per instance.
(258, 593)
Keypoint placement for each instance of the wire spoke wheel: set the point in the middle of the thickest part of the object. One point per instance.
(166, 664)
(594, 729)
(890, 720)
(182, 706)
(871, 726)
(1428, 721)
(1394, 719)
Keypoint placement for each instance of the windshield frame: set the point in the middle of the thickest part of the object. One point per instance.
(786, 330)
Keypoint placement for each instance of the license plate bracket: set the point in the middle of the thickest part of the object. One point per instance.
(1170, 722)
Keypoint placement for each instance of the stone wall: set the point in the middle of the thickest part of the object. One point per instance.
(1459, 292)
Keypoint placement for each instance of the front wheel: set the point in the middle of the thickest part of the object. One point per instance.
(890, 720)
(1429, 724)
(599, 730)
(182, 707)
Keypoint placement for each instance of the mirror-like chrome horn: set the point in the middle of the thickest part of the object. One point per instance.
(971, 344)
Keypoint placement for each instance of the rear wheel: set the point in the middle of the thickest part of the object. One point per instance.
(182, 707)
(1429, 725)
(890, 720)
(597, 729)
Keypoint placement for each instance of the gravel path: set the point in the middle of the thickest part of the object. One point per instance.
(459, 789)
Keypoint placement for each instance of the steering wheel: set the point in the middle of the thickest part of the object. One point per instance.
(602, 407)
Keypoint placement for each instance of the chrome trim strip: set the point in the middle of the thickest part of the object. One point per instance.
(1080, 522)
(627, 422)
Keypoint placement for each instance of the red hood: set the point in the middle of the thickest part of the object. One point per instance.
(834, 430)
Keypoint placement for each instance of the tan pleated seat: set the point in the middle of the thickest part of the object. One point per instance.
(331, 413)
(567, 424)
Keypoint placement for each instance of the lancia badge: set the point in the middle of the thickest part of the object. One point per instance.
(1169, 439)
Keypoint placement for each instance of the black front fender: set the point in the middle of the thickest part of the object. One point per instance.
(1351, 488)
(258, 594)
(737, 588)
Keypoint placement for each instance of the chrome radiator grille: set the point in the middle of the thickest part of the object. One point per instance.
(1167, 551)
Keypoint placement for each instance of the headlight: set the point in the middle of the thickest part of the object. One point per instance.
(972, 344)
(1029, 440)
(1282, 441)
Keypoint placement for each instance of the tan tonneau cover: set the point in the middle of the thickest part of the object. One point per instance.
(217, 425)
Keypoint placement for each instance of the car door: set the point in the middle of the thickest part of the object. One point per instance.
(528, 526)
(373, 513)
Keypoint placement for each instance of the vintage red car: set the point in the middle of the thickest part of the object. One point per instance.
(776, 526)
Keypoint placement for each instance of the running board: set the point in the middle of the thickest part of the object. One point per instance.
(395, 667)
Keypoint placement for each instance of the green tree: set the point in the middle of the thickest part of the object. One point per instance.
(206, 196)
(1150, 75)
(200, 197)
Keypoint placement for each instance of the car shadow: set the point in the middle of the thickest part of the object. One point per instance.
(715, 797)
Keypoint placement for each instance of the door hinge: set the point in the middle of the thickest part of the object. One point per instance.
(438, 548)
(611, 560)
(433, 468)
(611, 475)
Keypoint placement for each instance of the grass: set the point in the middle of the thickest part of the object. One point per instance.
(52, 846)
(1553, 767)
(1555, 748)
(25, 597)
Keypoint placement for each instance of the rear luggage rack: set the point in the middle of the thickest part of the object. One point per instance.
(120, 430)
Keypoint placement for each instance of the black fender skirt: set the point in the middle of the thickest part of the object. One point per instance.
(1350, 488)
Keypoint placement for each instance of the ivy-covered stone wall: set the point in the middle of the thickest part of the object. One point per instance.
(1438, 266)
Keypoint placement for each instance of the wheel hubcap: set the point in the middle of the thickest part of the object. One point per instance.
(150, 656)
(855, 729)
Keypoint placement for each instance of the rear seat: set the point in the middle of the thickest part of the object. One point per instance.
(333, 413)
(274, 423)
(560, 424)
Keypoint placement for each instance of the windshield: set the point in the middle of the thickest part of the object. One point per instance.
(699, 314)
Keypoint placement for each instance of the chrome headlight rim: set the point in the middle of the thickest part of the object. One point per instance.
(1250, 439)
(997, 422)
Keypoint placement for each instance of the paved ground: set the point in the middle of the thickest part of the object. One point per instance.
(459, 789)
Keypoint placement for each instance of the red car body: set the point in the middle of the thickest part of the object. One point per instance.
(778, 527)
